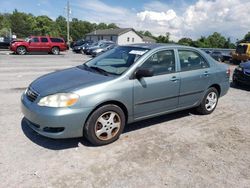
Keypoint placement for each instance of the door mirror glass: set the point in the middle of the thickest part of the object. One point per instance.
(144, 72)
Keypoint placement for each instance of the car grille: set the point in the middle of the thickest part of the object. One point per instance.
(31, 94)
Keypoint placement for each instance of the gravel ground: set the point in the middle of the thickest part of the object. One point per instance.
(176, 150)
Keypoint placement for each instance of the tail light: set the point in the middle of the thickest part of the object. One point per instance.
(228, 72)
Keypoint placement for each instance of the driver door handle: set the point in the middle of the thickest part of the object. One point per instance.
(174, 79)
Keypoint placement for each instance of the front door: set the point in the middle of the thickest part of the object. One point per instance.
(34, 45)
(159, 93)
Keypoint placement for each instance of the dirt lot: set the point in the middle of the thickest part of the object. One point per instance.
(177, 150)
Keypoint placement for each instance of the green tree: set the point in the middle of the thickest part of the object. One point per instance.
(43, 25)
(247, 37)
(216, 40)
(163, 39)
(186, 41)
(21, 23)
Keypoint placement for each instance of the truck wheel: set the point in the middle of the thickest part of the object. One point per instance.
(21, 50)
(105, 125)
(55, 50)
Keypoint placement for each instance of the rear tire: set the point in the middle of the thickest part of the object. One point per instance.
(209, 102)
(55, 51)
(105, 125)
(21, 50)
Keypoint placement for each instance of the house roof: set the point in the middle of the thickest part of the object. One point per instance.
(148, 39)
(118, 31)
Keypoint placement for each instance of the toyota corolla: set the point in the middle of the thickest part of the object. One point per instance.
(126, 84)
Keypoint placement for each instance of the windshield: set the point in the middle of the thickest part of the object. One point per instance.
(27, 39)
(117, 60)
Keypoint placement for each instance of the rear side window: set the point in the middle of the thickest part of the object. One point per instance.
(190, 60)
(44, 40)
(34, 40)
(57, 40)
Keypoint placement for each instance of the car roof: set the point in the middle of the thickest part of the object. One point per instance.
(158, 45)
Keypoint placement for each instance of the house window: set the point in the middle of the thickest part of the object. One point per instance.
(101, 37)
(111, 38)
(133, 39)
(128, 39)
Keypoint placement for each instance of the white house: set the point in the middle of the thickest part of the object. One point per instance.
(120, 36)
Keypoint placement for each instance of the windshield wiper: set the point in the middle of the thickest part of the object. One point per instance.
(99, 70)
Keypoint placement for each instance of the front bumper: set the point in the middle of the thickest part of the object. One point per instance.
(64, 122)
(239, 76)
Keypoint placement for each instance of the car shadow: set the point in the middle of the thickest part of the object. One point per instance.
(59, 144)
(241, 87)
(49, 143)
(38, 53)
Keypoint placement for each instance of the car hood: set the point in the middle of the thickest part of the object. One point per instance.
(245, 65)
(66, 80)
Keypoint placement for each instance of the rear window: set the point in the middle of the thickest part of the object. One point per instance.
(56, 40)
(241, 49)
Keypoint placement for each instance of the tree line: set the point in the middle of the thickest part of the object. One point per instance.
(23, 25)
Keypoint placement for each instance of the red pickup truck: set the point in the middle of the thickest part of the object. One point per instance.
(39, 44)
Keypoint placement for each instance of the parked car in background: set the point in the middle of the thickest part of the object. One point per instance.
(124, 85)
(52, 45)
(102, 49)
(219, 56)
(76, 43)
(242, 53)
(102, 45)
(241, 74)
(78, 48)
(95, 45)
(5, 42)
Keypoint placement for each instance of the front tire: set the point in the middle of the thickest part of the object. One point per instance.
(21, 50)
(105, 125)
(55, 51)
(209, 102)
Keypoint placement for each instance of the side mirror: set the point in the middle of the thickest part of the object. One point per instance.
(144, 72)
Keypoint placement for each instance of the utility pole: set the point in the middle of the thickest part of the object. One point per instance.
(68, 13)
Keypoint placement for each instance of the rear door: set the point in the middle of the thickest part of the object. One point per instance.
(44, 45)
(194, 75)
(159, 93)
(34, 44)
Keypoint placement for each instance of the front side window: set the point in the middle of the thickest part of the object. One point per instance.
(190, 60)
(117, 60)
(44, 40)
(34, 40)
(162, 62)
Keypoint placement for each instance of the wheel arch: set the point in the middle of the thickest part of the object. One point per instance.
(22, 46)
(114, 102)
(56, 47)
(217, 87)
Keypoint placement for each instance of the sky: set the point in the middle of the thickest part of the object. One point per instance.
(181, 18)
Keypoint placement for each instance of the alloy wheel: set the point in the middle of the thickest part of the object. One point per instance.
(211, 101)
(107, 125)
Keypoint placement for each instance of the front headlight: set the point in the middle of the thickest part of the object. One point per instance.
(239, 68)
(59, 100)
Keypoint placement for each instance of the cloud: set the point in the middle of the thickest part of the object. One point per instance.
(230, 17)
(201, 18)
